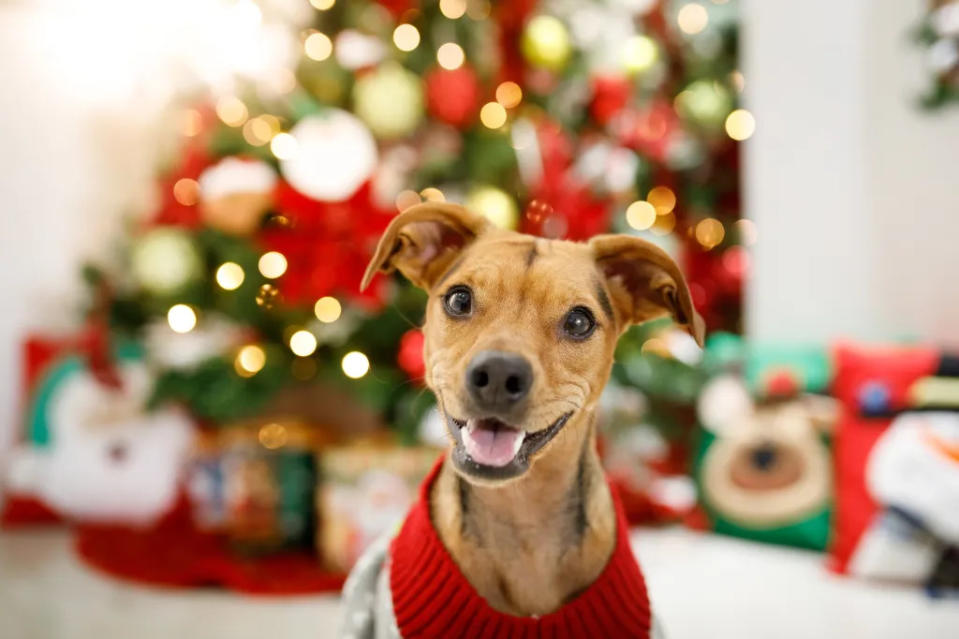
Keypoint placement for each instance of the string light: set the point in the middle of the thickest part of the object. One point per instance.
(272, 264)
(181, 318)
(303, 343)
(664, 224)
(640, 215)
(432, 194)
(663, 199)
(230, 275)
(450, 56)
(327, 309)
(249, 361)
(283, 146)
(355, 364)
(453, 9)
(740, 125)
(318, 46)
(692, 18)
(639, 53)
(509, 94)
(257, 131)
(406, 37)
(493, 115)
(710, 232)
(273, 435)
(186, 191)
(322, 5)
(231, 110)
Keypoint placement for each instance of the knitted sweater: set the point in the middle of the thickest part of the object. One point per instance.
(413, 589)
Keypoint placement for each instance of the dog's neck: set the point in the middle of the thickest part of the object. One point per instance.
(531, 545)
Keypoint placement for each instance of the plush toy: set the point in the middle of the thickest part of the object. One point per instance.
(913, 475)
(93, 453)
(765, 471)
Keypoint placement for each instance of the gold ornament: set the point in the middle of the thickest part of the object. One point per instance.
(497, 205)
(545, 43)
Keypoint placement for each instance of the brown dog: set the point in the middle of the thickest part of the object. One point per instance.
(520, 333)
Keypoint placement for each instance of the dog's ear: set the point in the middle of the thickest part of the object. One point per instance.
(645, 282)
(423, 240)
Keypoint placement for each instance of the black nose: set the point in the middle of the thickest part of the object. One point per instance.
(497, 381)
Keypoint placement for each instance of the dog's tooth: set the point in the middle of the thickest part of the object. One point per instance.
(518, 443)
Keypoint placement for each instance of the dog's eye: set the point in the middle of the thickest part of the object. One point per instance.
(458, 301)
(579, 323)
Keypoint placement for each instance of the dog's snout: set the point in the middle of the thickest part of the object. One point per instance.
(497, 381)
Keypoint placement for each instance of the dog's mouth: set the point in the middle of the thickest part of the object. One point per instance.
(492, 449)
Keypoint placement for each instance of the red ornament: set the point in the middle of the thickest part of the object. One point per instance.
(610, 96)
(649, 130)
(781, 382)
(410, 356)
(327, 246)
(562, 206)
(453, 95)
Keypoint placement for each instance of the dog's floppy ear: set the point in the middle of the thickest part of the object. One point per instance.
(423, 240)
(645, 282)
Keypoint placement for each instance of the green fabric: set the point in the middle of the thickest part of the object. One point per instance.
(38, 430)
(811, 531)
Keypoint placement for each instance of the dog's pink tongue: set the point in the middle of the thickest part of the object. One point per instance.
(491, 445)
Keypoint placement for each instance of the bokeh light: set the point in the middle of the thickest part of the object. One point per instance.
(450, 56)
(230, 276)
(250, 360)
(692, 18)
(318, 46)
(453, 9)
(283, 146)
(509, 94)
(640, 215)
(303, 343)
(740, 124)
(663, 199)
(181, 318)
(710, 232)
(186, 191)
(355, 364)
(231, 110)
(639, 53)
(406, 37)
(327, 309)
(493, 115)
(272, 264)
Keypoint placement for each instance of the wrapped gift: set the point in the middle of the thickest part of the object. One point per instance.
(365, 492)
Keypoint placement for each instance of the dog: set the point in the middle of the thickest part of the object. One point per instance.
(516, 529)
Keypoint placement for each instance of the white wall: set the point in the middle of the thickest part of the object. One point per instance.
(853, 189)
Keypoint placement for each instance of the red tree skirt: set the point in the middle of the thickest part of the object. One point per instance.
(175, 553)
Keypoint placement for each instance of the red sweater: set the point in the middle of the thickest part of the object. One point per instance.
(432, 599)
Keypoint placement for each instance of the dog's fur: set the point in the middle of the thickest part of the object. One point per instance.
(530, 542)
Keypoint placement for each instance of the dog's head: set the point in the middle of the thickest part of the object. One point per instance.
(520, 331)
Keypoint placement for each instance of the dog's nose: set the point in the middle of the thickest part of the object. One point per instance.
(497, 381)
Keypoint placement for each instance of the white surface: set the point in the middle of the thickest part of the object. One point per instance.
(852, 187)
(701, 586)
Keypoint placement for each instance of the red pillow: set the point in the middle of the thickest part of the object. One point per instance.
(871, 385)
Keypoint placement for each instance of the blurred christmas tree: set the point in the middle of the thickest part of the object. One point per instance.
(561, 118)
(938, 34)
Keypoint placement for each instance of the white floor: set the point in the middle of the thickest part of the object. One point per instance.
(701, 585)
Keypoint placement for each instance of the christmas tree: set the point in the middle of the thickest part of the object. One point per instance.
(559, 118)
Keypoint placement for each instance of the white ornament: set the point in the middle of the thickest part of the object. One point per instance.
(355, 50)
(210, 338)
(233, 175)
(335, 155)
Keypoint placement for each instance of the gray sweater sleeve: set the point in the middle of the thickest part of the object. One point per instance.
(367, 601)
